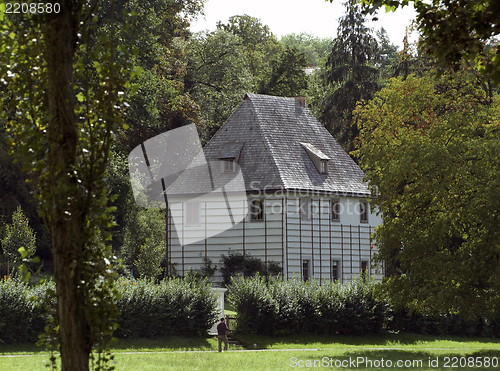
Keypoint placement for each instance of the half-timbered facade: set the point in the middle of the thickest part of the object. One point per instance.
(302, 204)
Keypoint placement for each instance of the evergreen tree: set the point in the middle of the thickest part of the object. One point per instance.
(351, 67)
(18, 234)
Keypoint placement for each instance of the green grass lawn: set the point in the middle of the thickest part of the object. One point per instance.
(416, 352)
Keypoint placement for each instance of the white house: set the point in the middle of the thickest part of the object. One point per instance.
(276, 185)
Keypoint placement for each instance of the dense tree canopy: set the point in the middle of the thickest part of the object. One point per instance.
(67, 76)
(456, 30)
(431, 152)
(315, 48)
(350, 67)
(260, 45)
(218, 76)
(287, 77)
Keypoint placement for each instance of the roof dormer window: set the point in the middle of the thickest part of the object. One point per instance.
(229, 156)
(319, 159)
(227, 166)
(324, 167)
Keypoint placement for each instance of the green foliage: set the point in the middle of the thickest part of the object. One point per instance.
(150, 257)
(430, 150)
(18, 234)
(388, 54)
(23, 311)
(235, 264)
(259, 43)
(315, 48)
(172, 307)
(257, 310)
(350, 67)
(287, 77)
(456, 31)
(350, 308)
(157, 35)
(144, 241)
(217, 76)
(68, 81)
(293, 306)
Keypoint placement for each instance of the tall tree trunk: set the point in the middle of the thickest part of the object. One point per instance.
(66, 219)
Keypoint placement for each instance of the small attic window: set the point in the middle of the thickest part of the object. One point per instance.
(229, 156)
(324, 167)
(319, 159)
(227, 166)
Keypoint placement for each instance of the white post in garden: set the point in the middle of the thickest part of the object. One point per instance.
(220, 305)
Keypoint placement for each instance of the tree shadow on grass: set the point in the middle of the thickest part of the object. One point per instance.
(404, 360)
(319, 341)
(169, 343)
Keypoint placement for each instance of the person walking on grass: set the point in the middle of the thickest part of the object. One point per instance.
(221, 334)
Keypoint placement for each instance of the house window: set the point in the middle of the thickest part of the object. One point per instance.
(193, 213)
(336, 210)
(363, 212)
(257, 210)
(305, 208)
(364, 269)
(305, 270)
(324, 167)
(335, 270)
(227, 166)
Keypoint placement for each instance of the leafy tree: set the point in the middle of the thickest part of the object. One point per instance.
(287, 77)
(454, 31)
(388, 53)
(431, 153)
(162, 102)
(217, 76)
(259, 44)
(350, 67)
(315, 48)
(143, 227)
(61, 125)
(18, 234)
(150, 257)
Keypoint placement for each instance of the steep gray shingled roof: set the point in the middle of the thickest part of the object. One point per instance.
(272, 157)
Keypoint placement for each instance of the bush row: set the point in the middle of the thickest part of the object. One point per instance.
(172, 307)
(23, 310)
(293, 306)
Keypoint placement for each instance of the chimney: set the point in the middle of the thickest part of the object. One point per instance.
(302, 100)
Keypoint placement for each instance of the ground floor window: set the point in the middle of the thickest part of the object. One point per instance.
(192, 213)
(335, 270)
(305, 270)
(257, 210)
(364, 268)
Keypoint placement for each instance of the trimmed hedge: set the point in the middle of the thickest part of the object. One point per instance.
(172, 307)
(22, 310)
(293, 306)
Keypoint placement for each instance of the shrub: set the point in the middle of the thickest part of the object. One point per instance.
(256, 308)
(172, 307)
(22, 310)
(350, 308)
(294, 306)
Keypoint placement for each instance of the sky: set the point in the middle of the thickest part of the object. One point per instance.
(315, 17)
